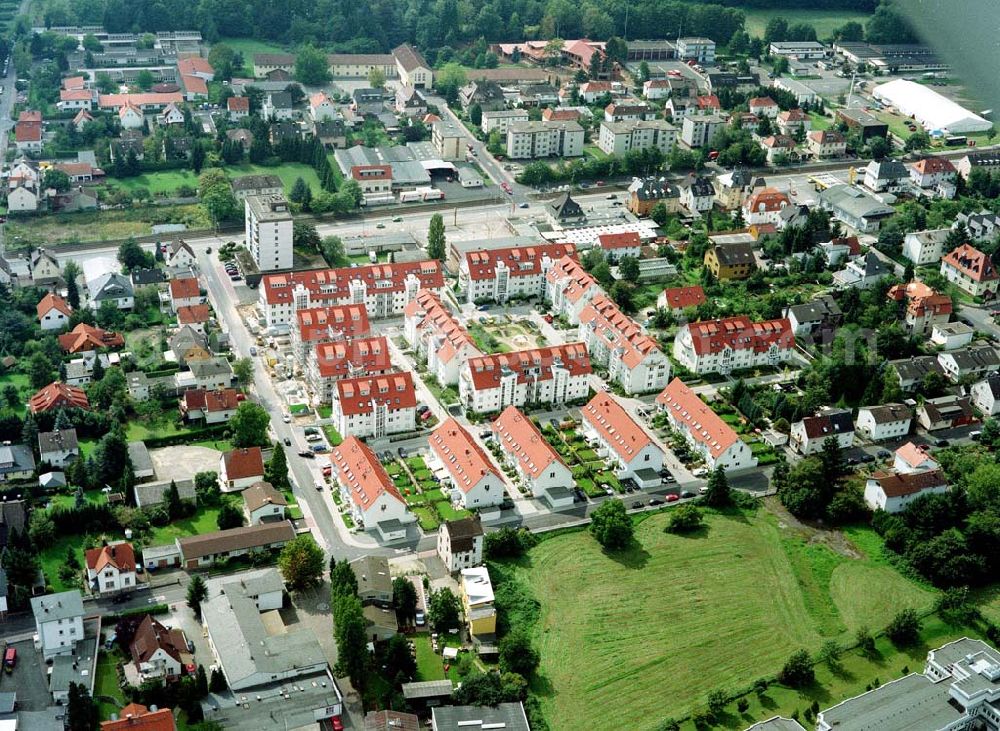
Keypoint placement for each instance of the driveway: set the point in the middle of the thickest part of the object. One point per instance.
(184, 462)
(28, 679)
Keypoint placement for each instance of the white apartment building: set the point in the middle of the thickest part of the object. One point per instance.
(699, 130)
(925, 247)
(888, 421)
(436, 336)
(619, 438)
(721, 346)
(499, 275)
(384, 289)
(328, 363)
(711, 437)
(701, 50)
(372, 498)
(555, 374)
(58, 622)
(614, 340)
(375, 406)
(568, 288)
(269, 231)
(538, 466)
(532, 140)
(501, 119)
(617, 138)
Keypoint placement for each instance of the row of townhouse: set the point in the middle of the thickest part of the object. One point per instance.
(615, 341)
(372, 498)
(384, 289)
(499, 275)
(620, 438)
(556, 374)
(473, 480)
(437, 337)
(974, 361)
(537, 465)
(732, 343)
(704, 430)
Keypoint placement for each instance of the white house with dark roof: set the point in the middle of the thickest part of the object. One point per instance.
(945, 412)
(892, 492)
(460, 543)
(58, 448)
(925, 247)
(810, 434)
(969, 362)
(262, 503)
(985, 394)
(912, 371)
(888, 421)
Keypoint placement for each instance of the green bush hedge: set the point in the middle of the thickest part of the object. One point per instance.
(110, 619)
(194, 435)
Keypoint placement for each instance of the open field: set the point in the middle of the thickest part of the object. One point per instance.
(727, 606)
(167, 181)
(824, 21)
(99, 225)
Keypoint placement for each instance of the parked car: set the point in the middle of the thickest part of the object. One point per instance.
(253, 350)
(419, 618)
(288, 442)
(637, 504)
(319, 448)
(320, 486)
(687, 494)
(655, 501)
(608, 490)
(307, 454)
(402, 452)
(673, 498)
(522, 205)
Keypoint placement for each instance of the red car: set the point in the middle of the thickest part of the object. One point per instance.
(672, 498)
(337, 724)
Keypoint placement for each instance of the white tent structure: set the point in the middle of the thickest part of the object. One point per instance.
(931, 109)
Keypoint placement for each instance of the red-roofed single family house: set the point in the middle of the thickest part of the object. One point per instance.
(615, 246)
(892, 492)
(111, 568)
(679, 299)
(53, 312)
(475, 480)
(913, 458)
(185, 292)
(239, 468)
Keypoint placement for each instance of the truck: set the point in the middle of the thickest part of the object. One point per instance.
(10, 659)
(410, 196)
(430, 194)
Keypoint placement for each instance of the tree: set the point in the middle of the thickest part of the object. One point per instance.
(311, 66)
(443, 610)
(217, 195)
(401, 665)
(197, 156)
(229, 516)
(435, 238)
(332, 249)
(56, 179)
(305, 236)
(172, 501)
(830, 653)
(144, 79)
(476, 114)
(249, 425)
(717, 493)
(343, 580)
(352, 640)
(301, 563)
(217, 684)
(865, 641)
(40, 371)
(41, 529)
(243, 371)
(201, 681)
(832, 459)
(197, 592)
(684, 519)
(276, 469)
(449, 79)
(301, 193)
(904, 629)
(222, 59)
(404, 598)
(611, 526)
(132, 256)
(376, 78)
(797, 671)
(81, 711)
(70, 274)
(517, 655)
(628, 267)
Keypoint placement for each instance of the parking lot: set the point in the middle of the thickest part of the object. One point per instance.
(28, 680)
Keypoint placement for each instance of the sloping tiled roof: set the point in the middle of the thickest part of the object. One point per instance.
(616, 427)
(342, 357)
(395, 390)
(972, 263)
(334, 284)
(118, 555)
(486, 370)
(618, 331)
(898, 485)
(136, 717)
(359, 470)
(53, 302)
(85, 337)
(152, 636)
(704, 425)
(913, 455)
(57, 395)
(683, 297)
(336, 321)
(261, 494)
(184, 288)
(740, 333)
(577, 281)
(244, 462)
(461, 455)
(235, 539)
(520, 437)
(523, 261)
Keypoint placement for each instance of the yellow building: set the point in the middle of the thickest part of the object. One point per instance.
(477, 601)
(730, 261)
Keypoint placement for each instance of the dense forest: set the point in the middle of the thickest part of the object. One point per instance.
(379, 25)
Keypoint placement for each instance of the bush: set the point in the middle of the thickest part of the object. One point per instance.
(904, 629)
(798, 671)
(684, 519)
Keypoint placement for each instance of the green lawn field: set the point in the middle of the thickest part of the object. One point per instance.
(824, 21)
(627, 640)
(167, 181)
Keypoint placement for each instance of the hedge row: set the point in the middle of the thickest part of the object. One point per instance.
(194, 435)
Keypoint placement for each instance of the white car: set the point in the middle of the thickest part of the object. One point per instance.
(286, 418)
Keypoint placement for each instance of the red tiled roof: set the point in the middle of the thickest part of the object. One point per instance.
(931, 165)
(75, 95)
(679, 298)
(32, 116)
(114, 101)
(898, 485)
(518, 435)
(972, 263)
(184, 288)
(195, 65)
(193, 314)
(371, 172)
(597, 87)
(618, 331)
(74, 82)
(53, 302)
(570, 270)
(913, 455)
(710, 101)
(135, 717)
(486, 370)
(616, 427)
(703, 424)
(827, 136)
(359, 470)
(360, 355)
(27, 132)
(119, 556)
(920, 299)
(329, 323)
(243, 463)
(625, 240)
(194, 84)
(238, 104)
(74, 169)
(793, 115)
(461, 455)
(766, 200)
(762, 101)
(85, 337)
(439, 322)
(57, 395)
(334, 284)
(318, 98)
(523, 261)
(778, 141)
(560, 115)
(395, 390)
(220, 399)
(740, 333)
